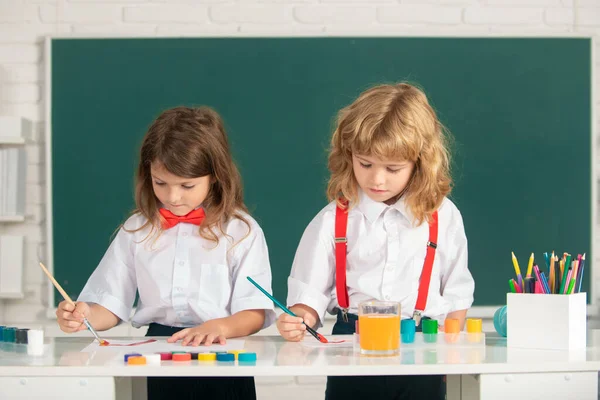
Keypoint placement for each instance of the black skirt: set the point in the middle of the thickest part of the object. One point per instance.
(192, 388)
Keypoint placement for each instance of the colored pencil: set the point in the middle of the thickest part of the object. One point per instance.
(529, 266)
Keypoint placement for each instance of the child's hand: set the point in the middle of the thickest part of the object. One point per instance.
(70, 318)
(292, 328)
(208, 333)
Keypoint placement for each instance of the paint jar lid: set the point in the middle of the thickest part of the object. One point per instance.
(225, 357)
(474, 325)
(407, 325)
(247, 357)
(207, 356)
(451, 325)
(430, 326)
(9, 334)
(136, 360)
(21, 336)
(35, 337)
(182, 357)
(152, 359)
(407, 330)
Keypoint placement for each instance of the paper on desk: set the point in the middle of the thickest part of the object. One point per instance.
(334, 341)
(159, 346)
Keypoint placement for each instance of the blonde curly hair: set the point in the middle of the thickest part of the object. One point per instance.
(392, 122)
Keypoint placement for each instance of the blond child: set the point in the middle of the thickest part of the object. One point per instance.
(389, 180)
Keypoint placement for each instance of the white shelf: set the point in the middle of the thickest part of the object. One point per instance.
(11, 140)
(12, 218)
(12, 295)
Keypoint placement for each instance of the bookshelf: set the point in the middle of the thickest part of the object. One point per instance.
(14, 133)
(12, 218)
(11, 140)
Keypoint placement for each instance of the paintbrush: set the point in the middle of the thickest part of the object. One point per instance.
(68, 299)
(310, 330)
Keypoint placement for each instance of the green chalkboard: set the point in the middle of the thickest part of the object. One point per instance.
(519, 110)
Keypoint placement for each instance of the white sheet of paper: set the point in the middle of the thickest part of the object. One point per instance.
(343, 341)
(160, 346)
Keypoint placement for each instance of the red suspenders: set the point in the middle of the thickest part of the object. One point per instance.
(341, 244)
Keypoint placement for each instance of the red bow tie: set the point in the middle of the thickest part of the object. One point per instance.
(170, 220)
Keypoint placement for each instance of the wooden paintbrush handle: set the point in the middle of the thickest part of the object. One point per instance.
(56, 285)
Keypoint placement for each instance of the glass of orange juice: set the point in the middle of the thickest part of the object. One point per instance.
(379, 323)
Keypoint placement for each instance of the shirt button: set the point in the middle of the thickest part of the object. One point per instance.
(181, 262)
(387, 296)
(185, 234)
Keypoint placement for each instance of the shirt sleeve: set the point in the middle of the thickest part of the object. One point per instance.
(457, 284)
(312, 277)
(113, 284)
(251, 259)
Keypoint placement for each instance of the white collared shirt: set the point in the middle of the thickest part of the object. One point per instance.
(183, 279)
(385, 257)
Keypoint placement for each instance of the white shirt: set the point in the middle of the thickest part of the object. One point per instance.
(385, 257)
(183, 279)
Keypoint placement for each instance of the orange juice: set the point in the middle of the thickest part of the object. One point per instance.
(379, 333)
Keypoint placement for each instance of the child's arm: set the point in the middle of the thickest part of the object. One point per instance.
(70, 318)
(112, 287)
(457, 284)
(242, 323)
(250, 258)
(311, 279)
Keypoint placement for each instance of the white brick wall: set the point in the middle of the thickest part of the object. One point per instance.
(320, 14)
(420, 14)
(23, 24)
(187, 13)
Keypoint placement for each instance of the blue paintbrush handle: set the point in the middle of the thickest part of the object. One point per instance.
(273, 299)
(310, 330)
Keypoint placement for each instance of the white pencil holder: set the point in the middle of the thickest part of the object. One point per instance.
(546, 321)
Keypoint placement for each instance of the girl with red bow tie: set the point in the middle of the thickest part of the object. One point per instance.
(187, 250)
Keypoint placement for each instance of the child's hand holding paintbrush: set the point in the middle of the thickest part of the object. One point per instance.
(294, 327)
(73, 317)
(70, 316)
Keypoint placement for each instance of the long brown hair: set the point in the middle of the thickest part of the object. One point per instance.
(393, 122)
(191, 143)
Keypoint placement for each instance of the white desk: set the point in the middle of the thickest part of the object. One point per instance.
(485, 372)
